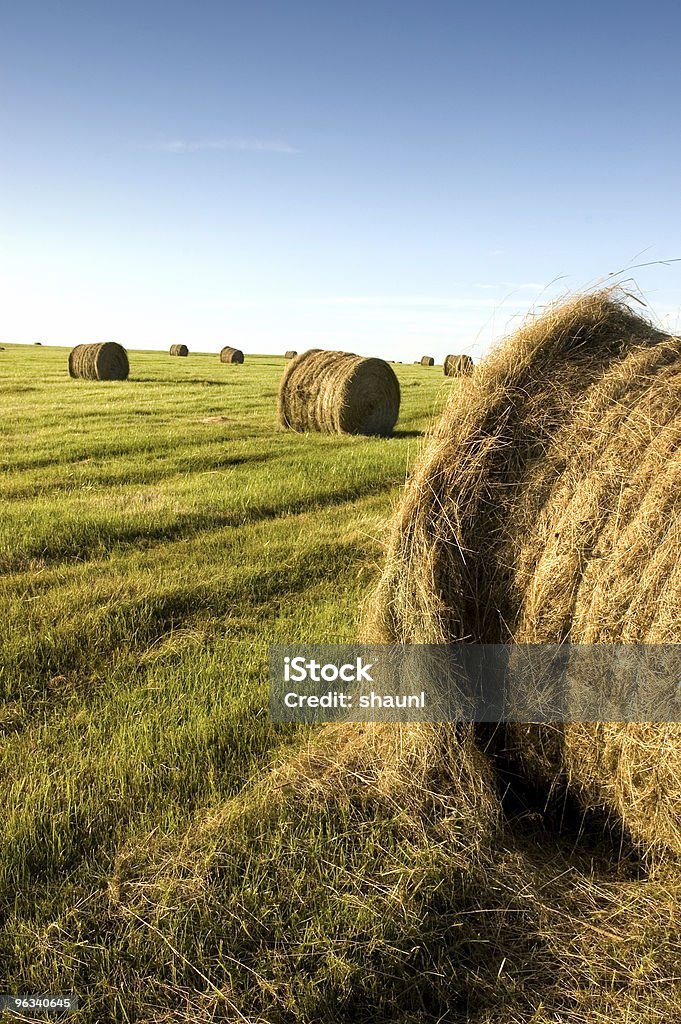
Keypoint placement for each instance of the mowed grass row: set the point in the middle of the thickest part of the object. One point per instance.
(156, 535)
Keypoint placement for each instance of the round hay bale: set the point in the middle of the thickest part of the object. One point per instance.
(103, 361)
(37, 342)
(458, 366)
(545, 510)
(179, 350)
(427, 361)
(231, 355)
(337, 392)
(291, 354)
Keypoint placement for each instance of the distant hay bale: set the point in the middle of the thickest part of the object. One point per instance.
(545, 510)
(231, 355)
(37, 342)
(427, 361)
(179, 350)
(337, 392)
(458, 366)
(103, 361)
(291, 354)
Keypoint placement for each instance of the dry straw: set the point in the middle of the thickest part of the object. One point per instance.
(427, 361)
(546, 510)
(337, 392)
(104, 361)
(291, 354)
(231, 355)
(458, 366)
(179, 350)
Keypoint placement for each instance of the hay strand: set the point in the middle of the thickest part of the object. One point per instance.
(103, 361)
(337, 392)
(546, 510)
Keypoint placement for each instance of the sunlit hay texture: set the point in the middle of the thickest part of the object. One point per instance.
(427, 361)
(179, 350)
(290, 354)
(231, 355)
(103, 361)
(457, 366)
(545, 510)
(337, 392)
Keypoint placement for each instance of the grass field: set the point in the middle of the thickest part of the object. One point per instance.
(169, 854)
(156, 535)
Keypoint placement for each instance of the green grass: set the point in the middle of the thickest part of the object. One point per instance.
(156, 535)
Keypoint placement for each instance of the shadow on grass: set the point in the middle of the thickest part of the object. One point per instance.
(87, 543)
(132, 624)
(175, 381)
(152, 472)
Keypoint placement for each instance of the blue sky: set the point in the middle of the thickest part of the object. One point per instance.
(387, 178)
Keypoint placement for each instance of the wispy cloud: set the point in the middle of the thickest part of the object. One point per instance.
(181, 146)
(534, 286)
(392, 301)
(419, 301)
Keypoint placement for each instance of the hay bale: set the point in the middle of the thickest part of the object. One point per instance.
(337, 392)
(37, 342)
(179, 350)
(546, 510)
(291, 354)
(458, 366)
(103, 361)
(427, 361)
(231, 355)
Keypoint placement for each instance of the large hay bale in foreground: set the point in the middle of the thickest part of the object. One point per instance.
(231, 355)
(546, 510)
(179, 350)
(337, 392)
(290, 354)
(427, 361)
(103, 361)
(458, 366)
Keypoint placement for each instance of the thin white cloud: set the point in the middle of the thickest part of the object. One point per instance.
(409, 301)
(181, 146)
(534, 286)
